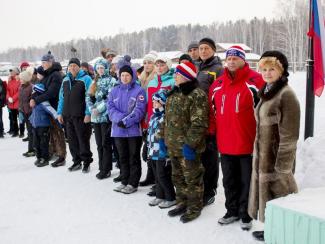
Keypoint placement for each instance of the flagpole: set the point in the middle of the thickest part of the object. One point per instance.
(310, 97)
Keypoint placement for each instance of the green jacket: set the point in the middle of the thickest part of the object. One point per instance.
(186, 118)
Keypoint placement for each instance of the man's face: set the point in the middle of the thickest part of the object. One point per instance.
(46, 65)
(234, 63)
(205, 52)
(194, 53)
(74, 69)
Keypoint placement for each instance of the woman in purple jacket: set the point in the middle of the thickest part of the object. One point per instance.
(126, 108)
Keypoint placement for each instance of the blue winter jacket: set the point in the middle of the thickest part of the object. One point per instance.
(104, 86)
(126, 103)
(41, 113)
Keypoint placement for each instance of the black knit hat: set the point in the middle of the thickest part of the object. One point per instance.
(185, 57)
(209, 42)
(279, 56)
(85, 64)
(74, 61)
(126, 68)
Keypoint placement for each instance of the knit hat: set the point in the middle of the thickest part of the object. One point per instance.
(15, 69)
(187, 70)
(185, 57)
(151, 56)
(85, 65)
(102, 62)
(74, 61)
(125, 61)
(277, 59)
(236, 51)
(39, 87)
(193, 45)
(25, 76)
(209, 42)
(24, 65)
(48, 57)
(126, 68)
(164, 59)
(116, 59)
(160, 96)
(40, 70)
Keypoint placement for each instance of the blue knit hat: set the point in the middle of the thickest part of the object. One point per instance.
(48, 57)
(125, 61)
(160, 96)
(102, 62)
(39, 87)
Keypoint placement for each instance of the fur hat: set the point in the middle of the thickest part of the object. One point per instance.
(236, 51)
(187, 70)
(25, 76)
(209, 42)
(164, 59)
(151, 56)
(110, 52)
(277, 59)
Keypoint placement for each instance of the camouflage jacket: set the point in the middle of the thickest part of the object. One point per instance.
(186, 118)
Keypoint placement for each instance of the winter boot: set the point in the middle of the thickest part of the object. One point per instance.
(258, 235)
(118, 179)
(167, 204)
(43, 162)
(179, 210)
(119, 188)
(129, 189)
(38, 160)
(86, 168)
(103, 175)
(155, 202)
(228, 219)
(246, 223)
(189, 216)
(29, 154)
(76, 166)
(59, 162)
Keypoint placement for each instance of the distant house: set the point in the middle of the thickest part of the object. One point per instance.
(251, 58)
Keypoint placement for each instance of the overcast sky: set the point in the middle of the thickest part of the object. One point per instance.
(37, 22)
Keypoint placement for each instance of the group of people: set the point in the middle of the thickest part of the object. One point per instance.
(185, 118)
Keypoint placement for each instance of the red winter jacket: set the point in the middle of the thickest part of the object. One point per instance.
(232, 103)
(13, 92)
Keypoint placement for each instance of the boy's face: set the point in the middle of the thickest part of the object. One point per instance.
(156, 104)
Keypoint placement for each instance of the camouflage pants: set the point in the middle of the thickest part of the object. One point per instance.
(57, 140)
(187, 177)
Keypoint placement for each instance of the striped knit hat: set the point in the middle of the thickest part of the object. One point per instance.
(236, 51)
(187, 70)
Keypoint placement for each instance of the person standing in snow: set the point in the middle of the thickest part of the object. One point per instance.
(13, 100)
(232, 99)
(126, 108)
(3, 90)
(75, 115)
(25, 93)
(157, 154)
(186, 123)
(277, 131)
(209, 69)
(96, 100)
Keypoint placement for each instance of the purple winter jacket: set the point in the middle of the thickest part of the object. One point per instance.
(127, 103)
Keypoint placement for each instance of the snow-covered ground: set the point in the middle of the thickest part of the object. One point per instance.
(52, 205)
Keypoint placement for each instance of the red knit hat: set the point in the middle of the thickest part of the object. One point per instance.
(236, 51)
(187, 70)
(24, 64)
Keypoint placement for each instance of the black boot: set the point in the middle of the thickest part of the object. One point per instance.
(43, 162)
(76, 166)
(103, 175)
(258, 235)
(29, 154)
(59, 162)
(21, 130)
(179, 210)
(86, 168)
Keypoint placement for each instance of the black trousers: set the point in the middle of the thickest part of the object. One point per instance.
(236, 170)
(41, 138)
(130, 163)
(13, 117)
(210, 161)
(163, 179)
(29, 132)
(79, 134)
(1, 122)
(104, 146)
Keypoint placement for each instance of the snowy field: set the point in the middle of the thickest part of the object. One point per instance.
(51, 205)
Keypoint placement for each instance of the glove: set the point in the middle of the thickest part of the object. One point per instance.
(121, 124)
(188, 152)
(10, 100)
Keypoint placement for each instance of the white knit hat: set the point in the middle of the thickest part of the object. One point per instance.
(151, 56)
(165, 60)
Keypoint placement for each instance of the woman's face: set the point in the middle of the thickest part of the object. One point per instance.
(270, 74)
(100, 69)
(148, 66)
(161, 68)
(126, 78)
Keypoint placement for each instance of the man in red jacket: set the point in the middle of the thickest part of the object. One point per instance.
(232, 99)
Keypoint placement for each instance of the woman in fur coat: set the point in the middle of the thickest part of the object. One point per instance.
(277, 131)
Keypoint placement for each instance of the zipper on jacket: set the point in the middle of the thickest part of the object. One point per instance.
(237, 103)
(223, 103)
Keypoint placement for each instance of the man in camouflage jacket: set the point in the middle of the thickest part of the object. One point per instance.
(186, 124)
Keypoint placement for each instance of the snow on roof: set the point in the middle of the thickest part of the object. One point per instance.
(221, 47)
(249, 56)
(171, 54)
